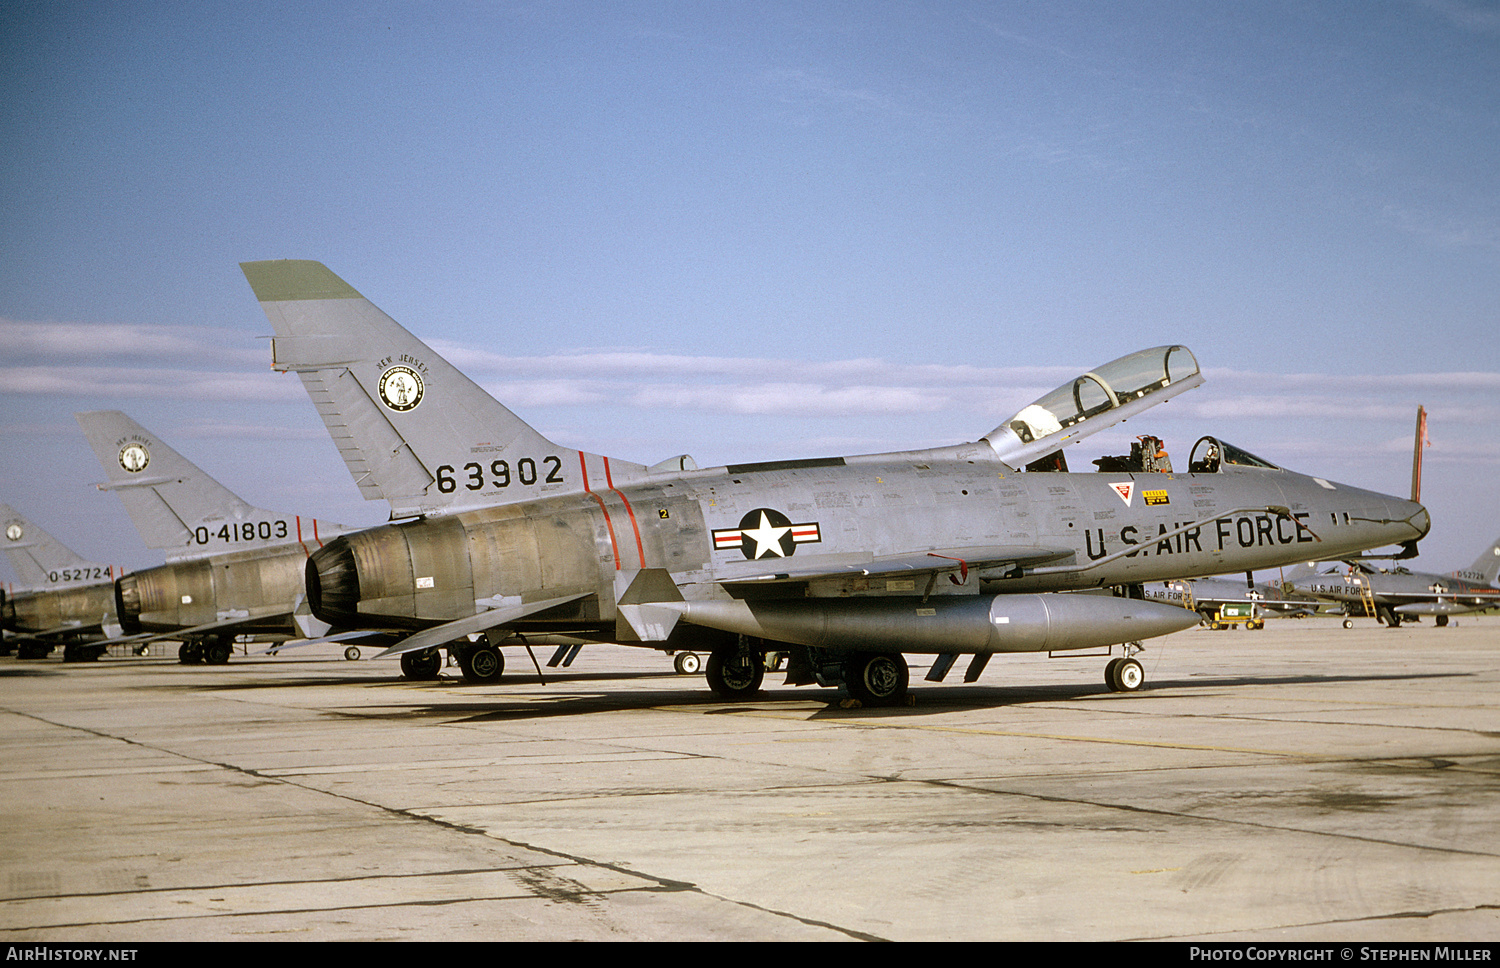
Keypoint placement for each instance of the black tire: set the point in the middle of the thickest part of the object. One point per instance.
(217, 652)
(1441, 621)
(876, 678)
(687, 663)
(735, 675)
(1128, 677)
(190, 653)
(1109, 674)
(351, 653)
(423, 665)
(481, 663)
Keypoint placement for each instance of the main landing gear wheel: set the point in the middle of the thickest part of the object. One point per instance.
(876, 679)
(1348, 623)
(190, 653)
(481, 663)
(687, 663)
(351, 653)
(425, 664)
(735, 674)
(1124, 675)
(1441, 621)
(217, 652)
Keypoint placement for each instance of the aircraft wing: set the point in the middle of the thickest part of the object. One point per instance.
(1477, 599)
(921, 563)
(1450, 605)
(1277, 604)
(483, 622)
(67, 628)
(221, 625)
(1240, 599)
(356, 635)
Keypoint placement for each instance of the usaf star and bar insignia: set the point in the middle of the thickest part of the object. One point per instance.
(766, 533)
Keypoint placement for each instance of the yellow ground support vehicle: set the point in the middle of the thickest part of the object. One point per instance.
(1231, 614)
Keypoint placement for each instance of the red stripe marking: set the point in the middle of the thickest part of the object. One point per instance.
(640, 549)
(299, 536)
(614, 545)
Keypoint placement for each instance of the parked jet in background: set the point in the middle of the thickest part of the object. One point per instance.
(231, 569)
(63, 599)
(846, 562)
(1397, 594)
(1215, 598)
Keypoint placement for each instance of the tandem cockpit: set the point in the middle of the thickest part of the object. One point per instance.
(1210, 455)
(1092, 402)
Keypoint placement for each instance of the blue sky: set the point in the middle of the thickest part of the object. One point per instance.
(758, 230)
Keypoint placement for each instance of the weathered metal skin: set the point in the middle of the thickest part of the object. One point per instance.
(89, 605)
(186, 594)
(421, 572)
(1129, 526)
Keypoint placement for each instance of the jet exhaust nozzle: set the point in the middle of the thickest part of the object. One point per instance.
(333, 583)
(128, 604)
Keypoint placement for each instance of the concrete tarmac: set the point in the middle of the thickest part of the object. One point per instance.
(1298, 783)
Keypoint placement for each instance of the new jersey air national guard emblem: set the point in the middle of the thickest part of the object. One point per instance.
(400, 388)
(766, 533)
(134, 457)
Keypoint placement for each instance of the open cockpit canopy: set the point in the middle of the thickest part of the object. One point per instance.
(1210, 455)
(1095, 401)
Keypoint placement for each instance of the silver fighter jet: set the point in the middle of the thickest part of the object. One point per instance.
(64, 599)
(1392, 595)
(844, 562)
(231, 569)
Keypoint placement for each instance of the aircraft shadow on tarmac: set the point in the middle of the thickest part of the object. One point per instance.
(19, 670)
(575, 696)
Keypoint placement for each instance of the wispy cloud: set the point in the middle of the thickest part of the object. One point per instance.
(48, 340)
(1480, 18)
(63, 359)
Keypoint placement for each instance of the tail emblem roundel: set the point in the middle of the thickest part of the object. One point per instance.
(400, 388)
(134, 457)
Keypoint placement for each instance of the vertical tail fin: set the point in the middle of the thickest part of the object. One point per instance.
(1486, 568)
(411, 428)
(40, 560)
(179, 508)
